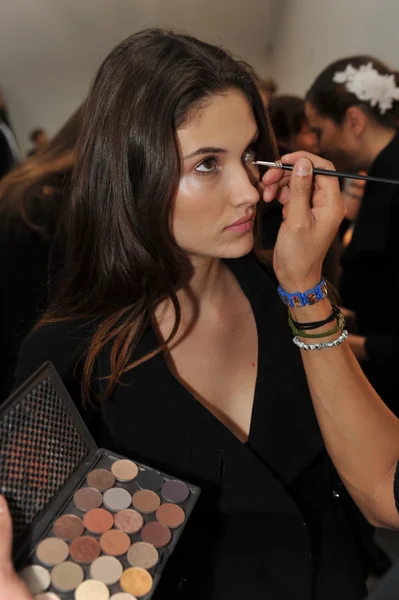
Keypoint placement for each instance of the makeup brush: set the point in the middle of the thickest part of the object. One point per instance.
(285, 167)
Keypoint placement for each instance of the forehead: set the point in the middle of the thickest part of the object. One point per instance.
(225, 120)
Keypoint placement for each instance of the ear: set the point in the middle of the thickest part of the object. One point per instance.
(355, 120)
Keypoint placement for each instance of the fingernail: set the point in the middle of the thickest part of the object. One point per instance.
(2, 505)
(303, 167)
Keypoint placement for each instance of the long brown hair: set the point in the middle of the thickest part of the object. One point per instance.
(332, 99)
(24, 188)
(121, 257)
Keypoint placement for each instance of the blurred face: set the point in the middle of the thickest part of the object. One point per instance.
(41, 139)
(216, 200)
(306, 140)
(336, 142)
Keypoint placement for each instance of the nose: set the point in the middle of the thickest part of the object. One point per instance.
(244, 183)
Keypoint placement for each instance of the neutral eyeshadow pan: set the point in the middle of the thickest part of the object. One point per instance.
(170, 515)
(125, 470)
(92, 590)
(84, 549)
(37, 578)
(117, 499)
(142, 554)
(52, 551)
(129, 521)
(146, 501)
(47, 596)
(68, 527)
(122, 596)
(156, 534)
(87, 498)
(67, 576)
(115, 542)
(107, 569)
(100, 479)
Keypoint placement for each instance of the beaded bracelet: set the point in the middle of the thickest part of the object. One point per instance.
(322, 345)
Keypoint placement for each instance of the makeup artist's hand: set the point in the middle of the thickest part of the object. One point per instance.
(11, 586)
(312, 211)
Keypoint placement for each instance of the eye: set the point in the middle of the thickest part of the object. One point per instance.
(250, 154)
(208, 165)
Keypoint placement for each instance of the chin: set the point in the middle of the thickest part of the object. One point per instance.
(239, 248)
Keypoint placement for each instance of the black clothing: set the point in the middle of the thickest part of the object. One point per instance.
(271, 522)
(24, 270)
(370, 274)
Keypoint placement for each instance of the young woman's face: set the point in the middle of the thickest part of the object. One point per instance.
(215, 205)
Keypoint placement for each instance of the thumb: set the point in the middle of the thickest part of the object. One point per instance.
(301, 186)
(5, 533)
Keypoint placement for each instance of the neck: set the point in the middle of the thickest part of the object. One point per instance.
(374, 140)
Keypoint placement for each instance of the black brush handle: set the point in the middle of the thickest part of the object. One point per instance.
(341, 174)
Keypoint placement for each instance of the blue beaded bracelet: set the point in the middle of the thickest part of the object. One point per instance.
(307, 298)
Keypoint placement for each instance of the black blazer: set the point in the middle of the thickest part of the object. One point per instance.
(271, 523)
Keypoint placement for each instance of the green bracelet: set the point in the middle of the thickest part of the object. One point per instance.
(301, 333)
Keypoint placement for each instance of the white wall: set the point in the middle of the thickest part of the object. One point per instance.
(49, 49)
(310, 34)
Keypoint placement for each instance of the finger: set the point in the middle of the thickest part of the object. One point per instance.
(273, 176)
(301, 187)
(5, 534)
(272, 190)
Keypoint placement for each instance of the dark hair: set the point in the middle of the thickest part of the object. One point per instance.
(333, 100)
(41, 179)
(121, 257)
(287, 116)
(34, 134)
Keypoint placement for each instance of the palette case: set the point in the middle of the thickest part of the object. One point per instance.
(46, 452)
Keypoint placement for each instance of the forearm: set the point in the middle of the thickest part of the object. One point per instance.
(360, 433)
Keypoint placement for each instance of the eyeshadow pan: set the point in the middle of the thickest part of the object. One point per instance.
(68, 527)
(117, 499)
(37, 578)
(87, 498)
(98, 520)
(115, 542)
(47, 596)
(67, 576)
(125, 470)
(122, 596)
(84, 549)
(52, 551)
(149, 480)
(175, 491)
(156, 534)
(101, 480)
(170, 515)
(136, 581)
(92, 590)
(142, 554)
(106, 569)
(146, 501)
(129, 521)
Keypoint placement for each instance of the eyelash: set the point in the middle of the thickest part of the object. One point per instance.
(212, 157)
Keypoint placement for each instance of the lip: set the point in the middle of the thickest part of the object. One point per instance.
(243, 224)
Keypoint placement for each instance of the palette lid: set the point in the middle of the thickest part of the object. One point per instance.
(43, 442)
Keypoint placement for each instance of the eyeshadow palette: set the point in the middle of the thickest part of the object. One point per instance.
(89, 524)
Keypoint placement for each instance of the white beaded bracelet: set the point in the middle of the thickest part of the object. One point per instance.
(322, 345)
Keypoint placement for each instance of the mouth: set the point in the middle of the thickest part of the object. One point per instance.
(242, 225)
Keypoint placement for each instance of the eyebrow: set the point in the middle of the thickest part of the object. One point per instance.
(215, 149)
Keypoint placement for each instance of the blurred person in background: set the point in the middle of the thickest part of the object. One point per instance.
(353, 107)
(268, 88)
(31, 199)
(9, 151)
(39, 139)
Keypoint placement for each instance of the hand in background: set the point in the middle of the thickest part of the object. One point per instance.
(11, 586)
